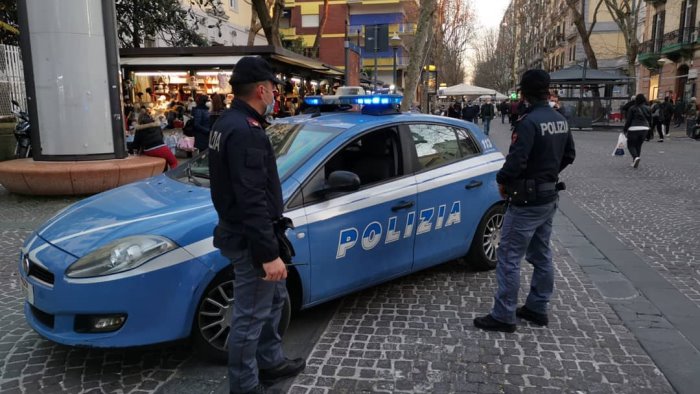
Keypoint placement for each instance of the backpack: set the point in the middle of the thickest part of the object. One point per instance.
(656, 111)
(188, 130)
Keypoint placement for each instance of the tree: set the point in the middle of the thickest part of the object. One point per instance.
(9, 29)
(270, 22)
(454, 29)
(321, 26)
(625, 13)
(167, 19)
(492, 61)
(583, 32)
(418, 51)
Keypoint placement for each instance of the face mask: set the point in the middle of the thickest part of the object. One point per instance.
(551, 104)
(270, 107)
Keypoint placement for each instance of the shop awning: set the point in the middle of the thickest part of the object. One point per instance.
(308, 64)
(180, 61)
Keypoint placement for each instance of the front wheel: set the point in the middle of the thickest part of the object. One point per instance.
(482, 253)
(212, 321)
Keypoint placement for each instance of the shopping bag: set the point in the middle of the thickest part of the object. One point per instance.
(620, 146)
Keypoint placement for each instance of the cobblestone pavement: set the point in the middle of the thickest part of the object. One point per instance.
(30, 364)
(416, 335)
(653, 209)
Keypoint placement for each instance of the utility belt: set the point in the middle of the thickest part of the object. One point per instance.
(279, 227)
(529, 192)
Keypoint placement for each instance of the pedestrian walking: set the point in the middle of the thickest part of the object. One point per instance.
(667, 112)
(542, 146)
(657, 121)
(488, 111)
(691, 113)
(246, 192)
(454, 111)
(637, 124)
(504, 107)
(678, 109)
(471, 112)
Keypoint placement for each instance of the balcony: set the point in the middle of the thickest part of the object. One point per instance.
(679, 43)
(649, 53)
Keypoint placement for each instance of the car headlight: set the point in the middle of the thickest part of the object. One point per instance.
(119, 256)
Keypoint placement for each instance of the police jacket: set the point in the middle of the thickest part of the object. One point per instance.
(541, 147)
(245, 185)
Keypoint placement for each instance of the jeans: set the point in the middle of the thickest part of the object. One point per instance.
(254, 341)
(487, 125)
(655, 123)
(525, 233)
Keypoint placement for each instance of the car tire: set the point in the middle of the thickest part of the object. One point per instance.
(213, 318)
(482, 253)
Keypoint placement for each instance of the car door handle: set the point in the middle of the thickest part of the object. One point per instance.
(402, 205)
(473, 184)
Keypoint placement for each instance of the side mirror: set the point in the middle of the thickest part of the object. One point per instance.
(343, 181)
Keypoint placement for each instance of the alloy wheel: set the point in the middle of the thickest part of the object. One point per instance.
(214, 316)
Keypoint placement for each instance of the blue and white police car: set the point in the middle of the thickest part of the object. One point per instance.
(374, 194)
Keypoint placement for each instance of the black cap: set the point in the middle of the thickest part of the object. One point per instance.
(534, 82)
(252, 69)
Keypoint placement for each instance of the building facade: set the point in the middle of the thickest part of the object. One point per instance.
(670, 51)
(229, 27)
(355, 20)
(542, 34)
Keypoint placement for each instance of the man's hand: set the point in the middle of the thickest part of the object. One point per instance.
(502, 191)
(275, 270)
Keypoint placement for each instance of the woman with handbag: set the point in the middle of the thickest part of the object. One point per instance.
(637, 125)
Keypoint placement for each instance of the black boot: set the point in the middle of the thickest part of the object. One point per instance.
(488, 323)
(287, 369)
(540, 319)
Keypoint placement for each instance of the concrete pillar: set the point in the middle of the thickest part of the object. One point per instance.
(71, 67)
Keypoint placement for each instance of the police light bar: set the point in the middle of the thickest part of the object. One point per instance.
(376, 100)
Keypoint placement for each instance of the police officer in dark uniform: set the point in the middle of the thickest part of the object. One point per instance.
(541, 147)
(247, 195)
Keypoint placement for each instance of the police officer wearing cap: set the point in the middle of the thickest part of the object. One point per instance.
(247, 195)
(541, 147)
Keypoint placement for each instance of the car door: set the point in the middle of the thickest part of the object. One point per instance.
(450, 200)
(365, 236)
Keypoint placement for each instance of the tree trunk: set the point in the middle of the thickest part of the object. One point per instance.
(322, 25)
(254, 29)
(270, 24)
(418, 50)
(136, 29)
(585, 34)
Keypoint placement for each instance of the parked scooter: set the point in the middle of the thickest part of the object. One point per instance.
(22, 133)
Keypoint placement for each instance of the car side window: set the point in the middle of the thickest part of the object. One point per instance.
(467, 144)
(436, 145)
(374, 157)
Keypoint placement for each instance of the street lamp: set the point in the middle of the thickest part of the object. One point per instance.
(395, 43)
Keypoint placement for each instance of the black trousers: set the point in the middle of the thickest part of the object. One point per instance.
(655, 124)
(635, 139)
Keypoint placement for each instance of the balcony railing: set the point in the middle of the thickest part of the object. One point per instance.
(680, 36)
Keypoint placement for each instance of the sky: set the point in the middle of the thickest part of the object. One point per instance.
(488, 15)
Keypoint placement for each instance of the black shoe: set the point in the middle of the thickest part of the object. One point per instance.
(259, 389)
(488, 323)
(288, 369)
(540, 319)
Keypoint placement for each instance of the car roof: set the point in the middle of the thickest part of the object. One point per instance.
(359, 122)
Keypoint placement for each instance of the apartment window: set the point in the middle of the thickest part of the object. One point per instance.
(657, 34)
(687, 21)
(309, 20)
(234, 5)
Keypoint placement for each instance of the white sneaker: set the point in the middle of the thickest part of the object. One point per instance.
(635, 164)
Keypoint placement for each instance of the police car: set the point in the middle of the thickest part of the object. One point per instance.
(374, 194)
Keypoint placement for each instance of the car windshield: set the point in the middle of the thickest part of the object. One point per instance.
(293, 144)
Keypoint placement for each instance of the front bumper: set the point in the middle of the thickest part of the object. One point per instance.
(159, 304)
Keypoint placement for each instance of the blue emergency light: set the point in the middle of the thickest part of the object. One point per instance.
(374, 100)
